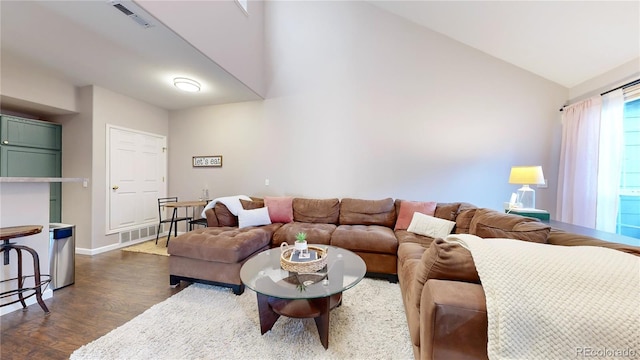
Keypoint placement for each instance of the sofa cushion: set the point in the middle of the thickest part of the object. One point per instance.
(270, 229)
(487, 223)
(224, 216)
(406, 276)
(409, 251)
(367, 212)
(316, 233)
(253, 217)
(280, 208)
(252, 204)
(496, 219)
(529, 231)
(404, 236)
(447, 211)
(448, 261)
(212, 220)
(322, 211)
(463, 220)
(365, 238)
(408, 208)
(430, 226)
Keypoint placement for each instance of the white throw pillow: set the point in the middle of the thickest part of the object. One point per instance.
(253, 217)
(426, 225)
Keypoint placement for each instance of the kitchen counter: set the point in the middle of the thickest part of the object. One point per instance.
(7, 179)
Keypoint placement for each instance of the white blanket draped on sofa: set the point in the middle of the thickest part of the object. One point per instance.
(231, 202)
(557, 302)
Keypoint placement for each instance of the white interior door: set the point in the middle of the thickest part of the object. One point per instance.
(136, 173)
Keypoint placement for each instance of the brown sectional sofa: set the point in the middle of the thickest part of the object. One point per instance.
(444, 300)
(442, 294)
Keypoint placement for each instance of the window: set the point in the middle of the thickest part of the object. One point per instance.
(628, 222)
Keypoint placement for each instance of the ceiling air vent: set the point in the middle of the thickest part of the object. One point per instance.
(132, 15)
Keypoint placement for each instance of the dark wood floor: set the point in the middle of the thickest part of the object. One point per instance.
(110, 289)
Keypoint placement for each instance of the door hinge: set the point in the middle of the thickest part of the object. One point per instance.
(164, 149)
(163, 179)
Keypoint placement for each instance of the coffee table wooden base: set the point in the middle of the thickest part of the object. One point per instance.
(271, 308)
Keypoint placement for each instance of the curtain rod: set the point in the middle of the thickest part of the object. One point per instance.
(622, 86)
(634, 82)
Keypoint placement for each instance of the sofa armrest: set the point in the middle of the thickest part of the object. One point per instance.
(453, 321)
(212, 220)
(220, 216)
(448, 261)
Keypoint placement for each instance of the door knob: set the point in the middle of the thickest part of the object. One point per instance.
(115, 187)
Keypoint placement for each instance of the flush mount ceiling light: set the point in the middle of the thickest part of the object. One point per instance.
(185, 84)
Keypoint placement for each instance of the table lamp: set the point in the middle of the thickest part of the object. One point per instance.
(525, 175)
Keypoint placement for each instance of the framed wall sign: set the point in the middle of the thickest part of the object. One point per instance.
(207, 161)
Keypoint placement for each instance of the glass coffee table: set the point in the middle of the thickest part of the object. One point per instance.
(301, 295)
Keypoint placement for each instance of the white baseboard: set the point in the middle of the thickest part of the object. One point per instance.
(100, 250)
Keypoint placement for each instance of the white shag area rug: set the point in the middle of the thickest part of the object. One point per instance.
(210, 322)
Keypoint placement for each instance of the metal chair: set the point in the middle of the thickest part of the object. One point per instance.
(201, 222)
(173, 220)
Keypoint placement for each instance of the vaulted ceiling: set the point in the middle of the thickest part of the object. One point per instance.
(91, 42)
(567, 42)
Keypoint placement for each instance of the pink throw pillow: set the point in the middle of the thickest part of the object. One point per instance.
(280, 209)
(407, 208)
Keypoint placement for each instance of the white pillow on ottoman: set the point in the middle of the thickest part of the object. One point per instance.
(426, 225)
(253, 217)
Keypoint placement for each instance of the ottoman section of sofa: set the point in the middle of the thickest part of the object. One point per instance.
(376, 245)
(214, 255)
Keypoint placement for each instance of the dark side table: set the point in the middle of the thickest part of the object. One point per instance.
(6, 234)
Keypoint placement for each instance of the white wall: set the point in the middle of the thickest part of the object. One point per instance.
(77, 163)
(365, 104)
(30, 83)
(618, 76)
(116, 109)
(84, 138)
(222, 31)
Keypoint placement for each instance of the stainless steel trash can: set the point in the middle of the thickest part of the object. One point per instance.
(62, 255)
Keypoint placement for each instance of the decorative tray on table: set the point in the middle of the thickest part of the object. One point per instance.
(307, 266)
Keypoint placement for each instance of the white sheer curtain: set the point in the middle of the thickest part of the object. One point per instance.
(579, 155)
(610, 160)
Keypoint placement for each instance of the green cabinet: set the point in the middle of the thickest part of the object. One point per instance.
(32, 148)
(17, 131)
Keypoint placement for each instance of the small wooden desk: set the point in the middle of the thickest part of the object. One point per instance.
(182, 204)
(8, 233)
(191, 203)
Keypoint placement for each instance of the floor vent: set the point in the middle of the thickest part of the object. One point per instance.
(137, 234)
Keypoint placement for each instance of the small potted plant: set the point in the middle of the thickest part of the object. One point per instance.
(301, 241)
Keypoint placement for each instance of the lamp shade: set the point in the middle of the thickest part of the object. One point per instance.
(526, 175)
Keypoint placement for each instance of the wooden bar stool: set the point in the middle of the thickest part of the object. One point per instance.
(8, 233)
